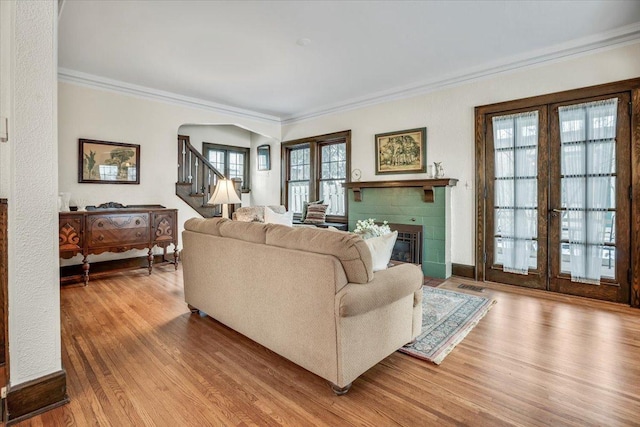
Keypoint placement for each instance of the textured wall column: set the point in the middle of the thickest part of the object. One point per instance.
(34, 290)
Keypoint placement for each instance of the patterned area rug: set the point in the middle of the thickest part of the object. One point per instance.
(447, 317)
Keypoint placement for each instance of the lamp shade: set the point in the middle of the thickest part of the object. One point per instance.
(225, 193)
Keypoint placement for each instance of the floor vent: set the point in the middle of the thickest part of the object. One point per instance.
(471, 287)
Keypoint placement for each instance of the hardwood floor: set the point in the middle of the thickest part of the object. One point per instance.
(135, 356)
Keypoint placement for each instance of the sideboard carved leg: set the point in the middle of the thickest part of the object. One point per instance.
(175, 257)
(85, 270)
(150, 258)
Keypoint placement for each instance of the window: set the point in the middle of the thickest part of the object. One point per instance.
(314, 169)
(232, 162)
(333, 172)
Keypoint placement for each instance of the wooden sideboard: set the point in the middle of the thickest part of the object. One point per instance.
(118, 230)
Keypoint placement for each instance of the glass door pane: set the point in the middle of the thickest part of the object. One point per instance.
(516, 190)
(515, 147)
(591, 174)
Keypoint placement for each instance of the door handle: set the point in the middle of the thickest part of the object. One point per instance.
(555, 212)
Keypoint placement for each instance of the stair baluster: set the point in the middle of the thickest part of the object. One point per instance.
(195, 184)
(183, 177)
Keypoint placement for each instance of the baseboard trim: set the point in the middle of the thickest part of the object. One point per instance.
(463, 270)
(36, 396)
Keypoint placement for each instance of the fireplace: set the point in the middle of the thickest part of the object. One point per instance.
(408, 247)
(416, 206)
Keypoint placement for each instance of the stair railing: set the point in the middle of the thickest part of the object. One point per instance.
(196, 170)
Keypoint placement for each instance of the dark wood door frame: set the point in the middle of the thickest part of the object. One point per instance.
(632, 87)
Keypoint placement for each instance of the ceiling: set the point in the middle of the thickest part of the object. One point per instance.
(249, 54)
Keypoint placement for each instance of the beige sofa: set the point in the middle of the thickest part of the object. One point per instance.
(307, 294)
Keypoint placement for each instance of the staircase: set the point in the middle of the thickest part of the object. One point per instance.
(197, 178)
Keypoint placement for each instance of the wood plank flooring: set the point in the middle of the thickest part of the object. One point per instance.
(135, 356)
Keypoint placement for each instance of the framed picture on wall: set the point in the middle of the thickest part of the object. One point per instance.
(264, 157)
(402, 151)
(103, 162)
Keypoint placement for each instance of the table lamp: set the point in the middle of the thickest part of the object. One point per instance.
(224, 194)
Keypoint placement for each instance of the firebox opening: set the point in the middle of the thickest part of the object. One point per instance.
(408, 247)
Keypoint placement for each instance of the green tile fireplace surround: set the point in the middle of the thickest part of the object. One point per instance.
(415, 202)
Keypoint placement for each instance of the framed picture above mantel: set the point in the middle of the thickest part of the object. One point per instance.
(402, 151)
(104, 162)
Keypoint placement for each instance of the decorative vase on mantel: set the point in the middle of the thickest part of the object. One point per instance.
(438, 170)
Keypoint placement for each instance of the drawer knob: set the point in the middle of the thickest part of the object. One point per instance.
(137, 222)
(101, 237)
(138, 234)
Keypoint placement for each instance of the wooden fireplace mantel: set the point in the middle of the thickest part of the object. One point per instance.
(426, 185)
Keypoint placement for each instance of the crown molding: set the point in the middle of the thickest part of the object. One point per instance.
(97, 82)
(626, 35)
(622, 36)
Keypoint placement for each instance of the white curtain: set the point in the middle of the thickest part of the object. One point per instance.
(587, 135)
(515, 140)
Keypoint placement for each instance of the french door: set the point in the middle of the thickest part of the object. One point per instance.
(556, 203)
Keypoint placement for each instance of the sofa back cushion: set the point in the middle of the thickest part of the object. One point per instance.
(350, 249)
(254, 232)
(205, 225)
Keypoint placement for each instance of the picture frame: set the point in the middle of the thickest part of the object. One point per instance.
(264, 157)
(403, 151)
(105, 162)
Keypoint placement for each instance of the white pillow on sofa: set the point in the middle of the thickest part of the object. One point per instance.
(381, 248)
(271, 217)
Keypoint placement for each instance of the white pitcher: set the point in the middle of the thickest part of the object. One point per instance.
(63, 202)
(439, 170)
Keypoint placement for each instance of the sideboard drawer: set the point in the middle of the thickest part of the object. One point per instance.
(118, 229)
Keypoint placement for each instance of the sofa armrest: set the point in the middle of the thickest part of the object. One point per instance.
(386, 287)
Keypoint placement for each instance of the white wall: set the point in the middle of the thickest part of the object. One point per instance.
(448, 115)
(34, 289)
(265, 185)
(218, 134)
(104, 115)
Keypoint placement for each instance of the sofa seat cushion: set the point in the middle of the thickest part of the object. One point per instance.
(205, 225)
(387, 287)
(349, 248)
